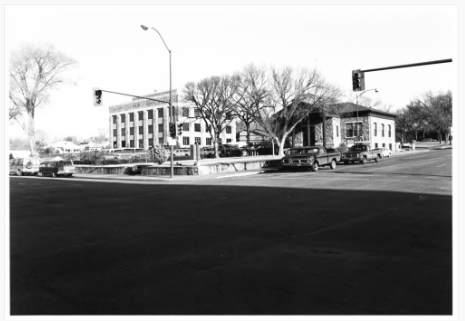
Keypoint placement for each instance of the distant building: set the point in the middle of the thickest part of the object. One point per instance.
(144, 123)
(66, 147)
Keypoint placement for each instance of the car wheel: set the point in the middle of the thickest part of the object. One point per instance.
(19, 172)
(377, 159)
(346, 162)
(333, 164)
(54, 174)
(315, 167)
(380, 156)
(363, 161)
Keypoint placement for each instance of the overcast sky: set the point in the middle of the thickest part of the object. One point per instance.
(115, 54)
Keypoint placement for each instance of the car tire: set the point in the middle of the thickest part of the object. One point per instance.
(54, 174)
(315, 167)
(380, 156)
(346, 162)
(363, 161)
(333, 164)
(377, 159)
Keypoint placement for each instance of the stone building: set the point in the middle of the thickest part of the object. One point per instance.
(143, 123)
(373, 126)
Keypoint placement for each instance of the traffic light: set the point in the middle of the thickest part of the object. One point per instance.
(180, 129)
(97, 97)
(358, 80)
(172, 130)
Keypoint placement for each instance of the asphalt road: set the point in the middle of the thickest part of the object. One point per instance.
(373, 239)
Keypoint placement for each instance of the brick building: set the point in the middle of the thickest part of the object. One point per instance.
(373, 126)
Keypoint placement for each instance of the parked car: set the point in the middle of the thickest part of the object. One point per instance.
(424, 140)
(57, 168)
(182, 152)
(24, 166)
(207, 152)
(359, 153)
(311, 157)
(383, 152)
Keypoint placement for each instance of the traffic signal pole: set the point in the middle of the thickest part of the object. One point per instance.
(411, 65)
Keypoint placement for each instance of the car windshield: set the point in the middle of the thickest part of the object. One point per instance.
(358, 148)
(68, 163)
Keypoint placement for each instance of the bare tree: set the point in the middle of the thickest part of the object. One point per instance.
(34, 72)
(294, 95)
(437, 111)
(252, 97)
(213, 99)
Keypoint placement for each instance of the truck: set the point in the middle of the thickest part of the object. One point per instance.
(360, 153)
(311, 157)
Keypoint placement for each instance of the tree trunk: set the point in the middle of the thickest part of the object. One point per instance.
(247, 128)
(215, 145)
(281, 145)
(439, 137)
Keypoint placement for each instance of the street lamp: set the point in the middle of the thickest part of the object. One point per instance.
(356, 105)
(171, 101)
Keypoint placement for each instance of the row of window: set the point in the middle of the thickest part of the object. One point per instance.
(185, 113)
(185, 141)
(384, 145)
(352, 130)
(185, 127)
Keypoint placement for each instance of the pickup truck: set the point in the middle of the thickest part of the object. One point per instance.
(311, 157)
(360, 153)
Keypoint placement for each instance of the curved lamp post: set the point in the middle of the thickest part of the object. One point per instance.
(171, 101)
(356, 105)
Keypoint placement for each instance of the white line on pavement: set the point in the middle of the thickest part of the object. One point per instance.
(441, 165)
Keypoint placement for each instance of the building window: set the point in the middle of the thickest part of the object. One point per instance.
(115, 132)
(185, 140)
(160, 113)
(337, 131)
(228, 140)
(208, 128)
(390, 146)
(160, 128)
(131, 117)
(382, 130)
(376, 145)
(150, 142)
(150, 114)
(384, 145)
(141, 115)
(123, 118)
(228, 116)
(150, 129)
(114, 119)
(185, 112)
(160, 140)
(131, 130)
(197, 112)
(131, 143)
(389, 131)
(376, 129)
(141, 130)
(349, 130)
(197, 140)
(197, 127)
(141, 143)
(185, 127)
(115, 145)
(123, 143)
(228, 129)
(122, 131)
(209, 141)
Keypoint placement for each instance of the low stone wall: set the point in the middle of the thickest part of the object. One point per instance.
(202, 169)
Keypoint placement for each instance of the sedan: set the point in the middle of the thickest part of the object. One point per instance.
(383, 152)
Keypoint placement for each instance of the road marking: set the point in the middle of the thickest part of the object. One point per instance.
(441, 165)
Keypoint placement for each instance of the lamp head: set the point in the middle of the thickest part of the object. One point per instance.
(143, 27)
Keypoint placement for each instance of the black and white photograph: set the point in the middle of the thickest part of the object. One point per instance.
(231, 161)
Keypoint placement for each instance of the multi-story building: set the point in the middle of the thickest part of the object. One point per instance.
(144, 123)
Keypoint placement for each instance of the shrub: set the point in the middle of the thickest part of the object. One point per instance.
(158, 154)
